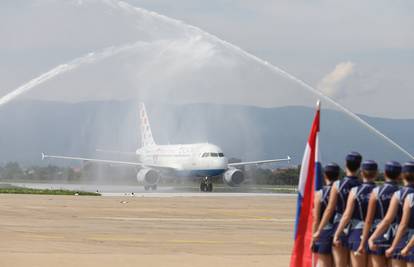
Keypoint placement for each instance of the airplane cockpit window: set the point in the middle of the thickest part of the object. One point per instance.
(212, 155)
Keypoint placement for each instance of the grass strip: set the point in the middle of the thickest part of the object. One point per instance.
(32, 191)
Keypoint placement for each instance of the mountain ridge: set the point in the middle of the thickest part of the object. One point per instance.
(30, 127)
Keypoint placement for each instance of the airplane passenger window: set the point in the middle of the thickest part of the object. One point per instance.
(205, 155)
(221, 155)
(215, 155)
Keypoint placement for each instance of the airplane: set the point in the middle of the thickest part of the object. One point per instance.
(202, 160)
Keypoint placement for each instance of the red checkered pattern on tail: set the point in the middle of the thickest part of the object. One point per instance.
(146, 134)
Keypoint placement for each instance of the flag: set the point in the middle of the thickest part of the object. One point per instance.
(310, 180)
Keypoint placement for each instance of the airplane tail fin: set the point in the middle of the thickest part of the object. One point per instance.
(146, 134)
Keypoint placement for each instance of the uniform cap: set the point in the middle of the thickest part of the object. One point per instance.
(332, 167)
(353, 157)
(408, 167)
(393, 166)
(370, 165)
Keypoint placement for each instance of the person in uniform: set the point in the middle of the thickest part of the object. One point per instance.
(409, 248)
(323, 246)
(355, 214)
(406, 226)
(394, 215)
(404, 234)
(377, 208)
(337, 204)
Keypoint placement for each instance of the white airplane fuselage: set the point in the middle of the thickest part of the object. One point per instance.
(192, 160)
(201, 159)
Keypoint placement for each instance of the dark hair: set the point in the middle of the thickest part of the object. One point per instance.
(332, 171)
(408, 171)
(353, 161)
(392, 169)
(353, 166)
(369, 174)
(332, 175)
(408, 176)
(392, 174)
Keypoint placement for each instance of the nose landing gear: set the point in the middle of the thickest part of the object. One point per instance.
(206, 185)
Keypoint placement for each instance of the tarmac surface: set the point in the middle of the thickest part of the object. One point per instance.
(126, 190)
(164, 229)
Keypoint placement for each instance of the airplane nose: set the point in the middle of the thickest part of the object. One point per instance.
(223, 163)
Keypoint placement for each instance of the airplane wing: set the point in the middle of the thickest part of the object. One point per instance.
(259, 162)
(45, 156)
(129, 153)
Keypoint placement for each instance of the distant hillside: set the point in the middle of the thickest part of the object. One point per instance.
(30, 127)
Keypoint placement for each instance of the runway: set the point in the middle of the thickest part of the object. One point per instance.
(162, 191)
(201, 194)
(196, 230)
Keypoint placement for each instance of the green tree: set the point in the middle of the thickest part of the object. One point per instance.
(12, 170)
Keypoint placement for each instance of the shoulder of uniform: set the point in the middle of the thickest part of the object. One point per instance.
(397, 194)
(354, 190)
(410, 199)
(319, 192)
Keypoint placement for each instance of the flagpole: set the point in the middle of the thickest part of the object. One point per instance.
(318, 109)
(302, 255)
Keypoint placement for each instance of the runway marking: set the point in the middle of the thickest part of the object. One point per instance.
(176, 219)
(260, 243)
(176, 241)
(197, 242)
(117, 238)
(43, 236)
(168, 195)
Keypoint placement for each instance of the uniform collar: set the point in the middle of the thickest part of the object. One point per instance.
(352, 177)
(371, 183)
(391, 182)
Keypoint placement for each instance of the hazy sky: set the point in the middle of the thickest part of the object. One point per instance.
(361, 53)
(309, 38)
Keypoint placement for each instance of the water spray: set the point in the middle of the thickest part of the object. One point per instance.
(272, 67)
(112, 51)
(71, 65)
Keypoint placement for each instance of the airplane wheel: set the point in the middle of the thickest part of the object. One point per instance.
(203, 187)
(210, 188)
(154, 187)
(146, 187)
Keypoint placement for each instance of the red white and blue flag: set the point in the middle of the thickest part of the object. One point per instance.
(310, 180)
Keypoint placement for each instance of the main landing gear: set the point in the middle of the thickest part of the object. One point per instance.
(150, 187)
(206, 185)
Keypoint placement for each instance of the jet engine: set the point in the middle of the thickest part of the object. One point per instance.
(233, 177)
(148, 177)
